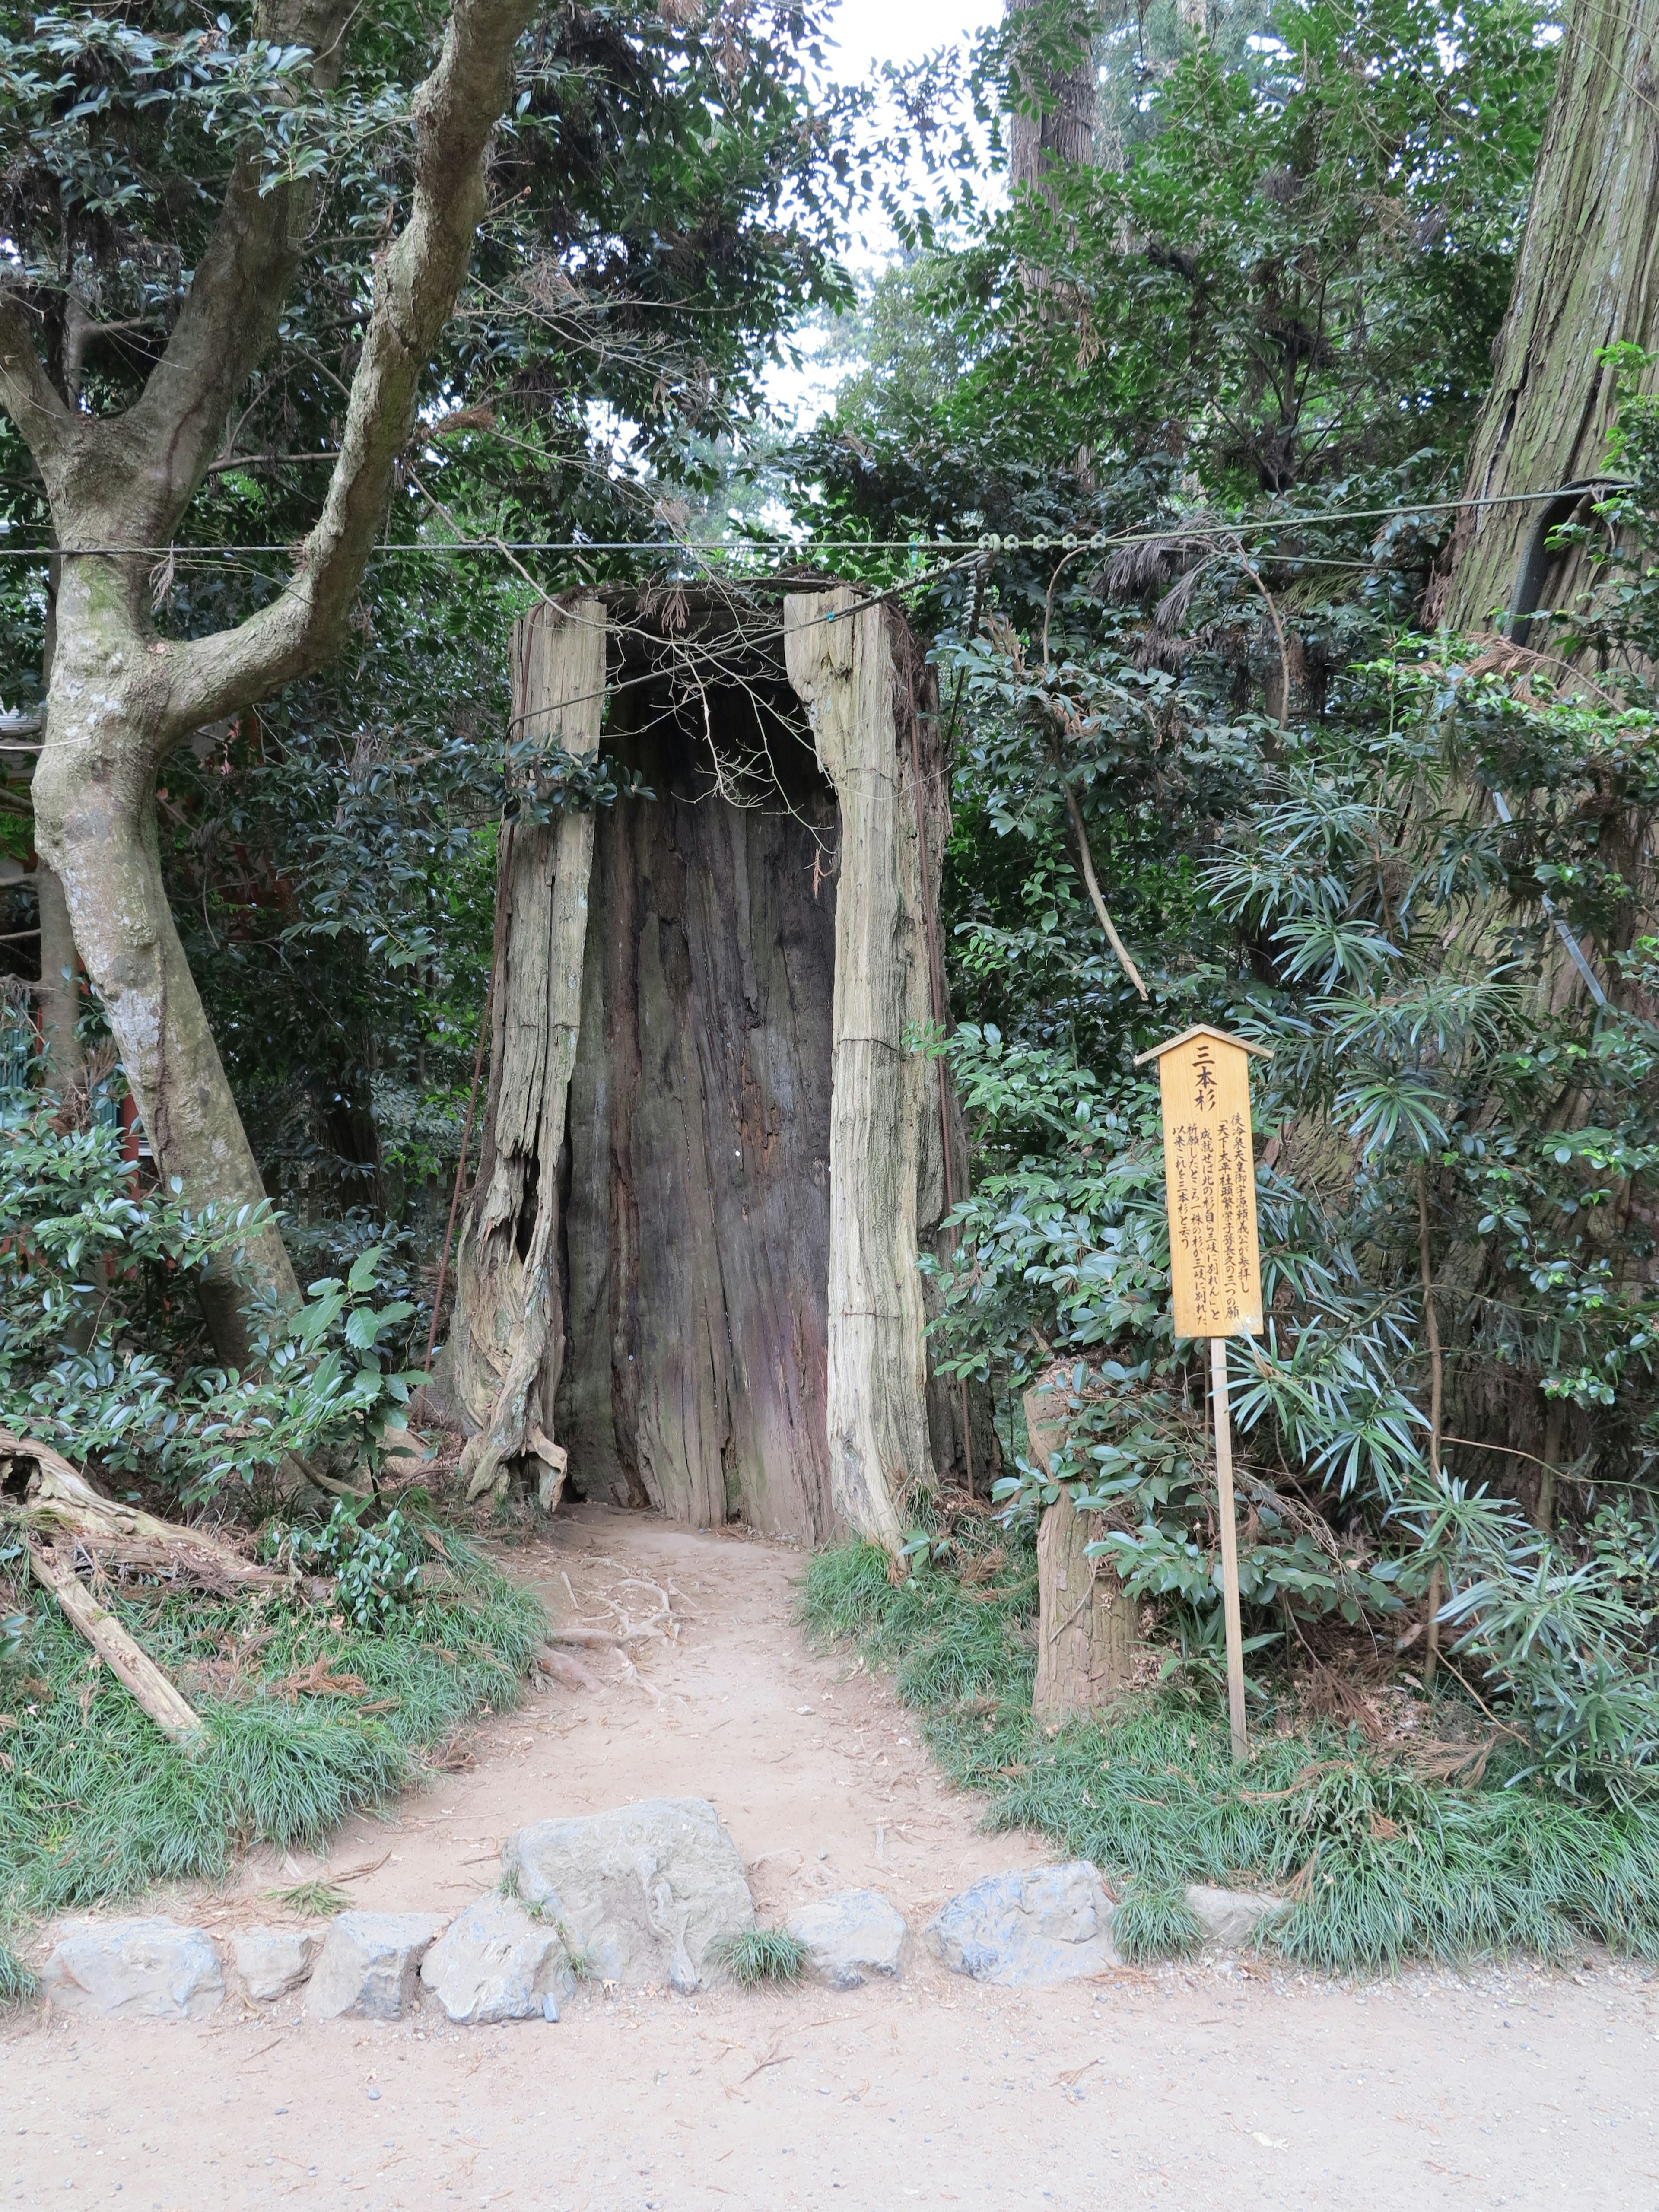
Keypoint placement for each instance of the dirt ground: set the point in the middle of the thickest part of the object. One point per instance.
(1178, 2087)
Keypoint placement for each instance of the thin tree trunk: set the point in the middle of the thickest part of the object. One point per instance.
(120, 697)
(1436, 1394)
(1588, 277)
(841, 662)
(509, 1328)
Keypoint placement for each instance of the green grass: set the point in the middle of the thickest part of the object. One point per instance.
(1381, 1865)
(1154, 1920)
(316, 1899)
(94, 1805)
(762, 1955)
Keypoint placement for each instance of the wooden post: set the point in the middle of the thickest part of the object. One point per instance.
(1223, 1483)
(1215, 1263)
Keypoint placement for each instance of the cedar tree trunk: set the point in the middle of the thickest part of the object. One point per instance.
(1588, 277)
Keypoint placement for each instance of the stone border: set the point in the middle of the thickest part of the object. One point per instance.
(498, 1960)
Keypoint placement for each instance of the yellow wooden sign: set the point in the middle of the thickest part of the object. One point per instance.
(1215, 1265)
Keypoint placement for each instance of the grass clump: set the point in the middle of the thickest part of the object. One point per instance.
(16, 1983)
(1154, 1920)
(762, 1955)
(316, 1899)
(310, 1717)
(1379, 1863)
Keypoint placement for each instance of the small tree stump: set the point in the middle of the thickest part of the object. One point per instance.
(1086, 1625)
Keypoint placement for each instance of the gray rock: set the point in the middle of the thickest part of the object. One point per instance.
(1024, 1930)
(855, 1933)
(1229, 1917)
(641, 1894)
(368, 1965)
(271, 1961)
(134, 1970)
(494, 1962)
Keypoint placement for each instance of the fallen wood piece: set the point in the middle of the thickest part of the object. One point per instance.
(130, 1664)
(563, 1669)
(39, 1489)
(603, 1639)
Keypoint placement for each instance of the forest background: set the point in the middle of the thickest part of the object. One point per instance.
(1164, 450)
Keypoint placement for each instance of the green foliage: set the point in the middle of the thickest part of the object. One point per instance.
(100, 1348)
(1380, 1860)
(754, 1955)
(374, 1574)
(309, 1719)
(17, 1984)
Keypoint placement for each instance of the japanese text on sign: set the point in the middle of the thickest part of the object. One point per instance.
(1209, 1161)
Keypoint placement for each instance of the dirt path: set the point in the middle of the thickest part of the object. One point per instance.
(1181, 2088)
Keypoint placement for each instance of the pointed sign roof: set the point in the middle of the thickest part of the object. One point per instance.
(1203, 1029)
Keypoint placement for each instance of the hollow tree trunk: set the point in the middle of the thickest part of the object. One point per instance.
(1086, 1628)
(507, 1343)
(1588, 276)
(840, 661)
(697, 1220)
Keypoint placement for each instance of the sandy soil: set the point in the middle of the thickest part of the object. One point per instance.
(1181, 2088)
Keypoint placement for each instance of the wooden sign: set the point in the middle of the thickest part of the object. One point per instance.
(1215, 1262)
(1209, 1161)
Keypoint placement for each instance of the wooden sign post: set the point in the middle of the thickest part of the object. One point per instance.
(1215, 1265)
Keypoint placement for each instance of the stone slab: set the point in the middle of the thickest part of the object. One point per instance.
(1028, 1929)
(149, 1969)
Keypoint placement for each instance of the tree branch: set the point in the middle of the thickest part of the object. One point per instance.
(26, 392)
(236, 299)
(455, 111)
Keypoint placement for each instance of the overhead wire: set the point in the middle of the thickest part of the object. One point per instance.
(1200, 525)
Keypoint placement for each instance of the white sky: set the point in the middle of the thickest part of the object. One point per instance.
(867, 33)
(901, 30)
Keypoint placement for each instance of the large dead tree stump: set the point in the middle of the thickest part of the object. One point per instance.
(1086, 1628)
(507, 1346)
(717, 1223)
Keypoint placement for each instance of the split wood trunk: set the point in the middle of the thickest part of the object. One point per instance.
(509, 1340)
(1588, 276)
(729, 1198)
(1086, 1628)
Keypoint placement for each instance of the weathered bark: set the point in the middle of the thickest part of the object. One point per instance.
(697, 1228)
(60, 1042)
(58, 994)
(1588, 276)
(840, 659)
(1053, 118)
(508, 1337)
(120, 697)
(43, 1493)
(1086, 1627)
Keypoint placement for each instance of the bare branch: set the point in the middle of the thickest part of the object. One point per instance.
(418, 282)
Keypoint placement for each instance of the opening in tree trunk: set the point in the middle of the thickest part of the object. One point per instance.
(709, 1235)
